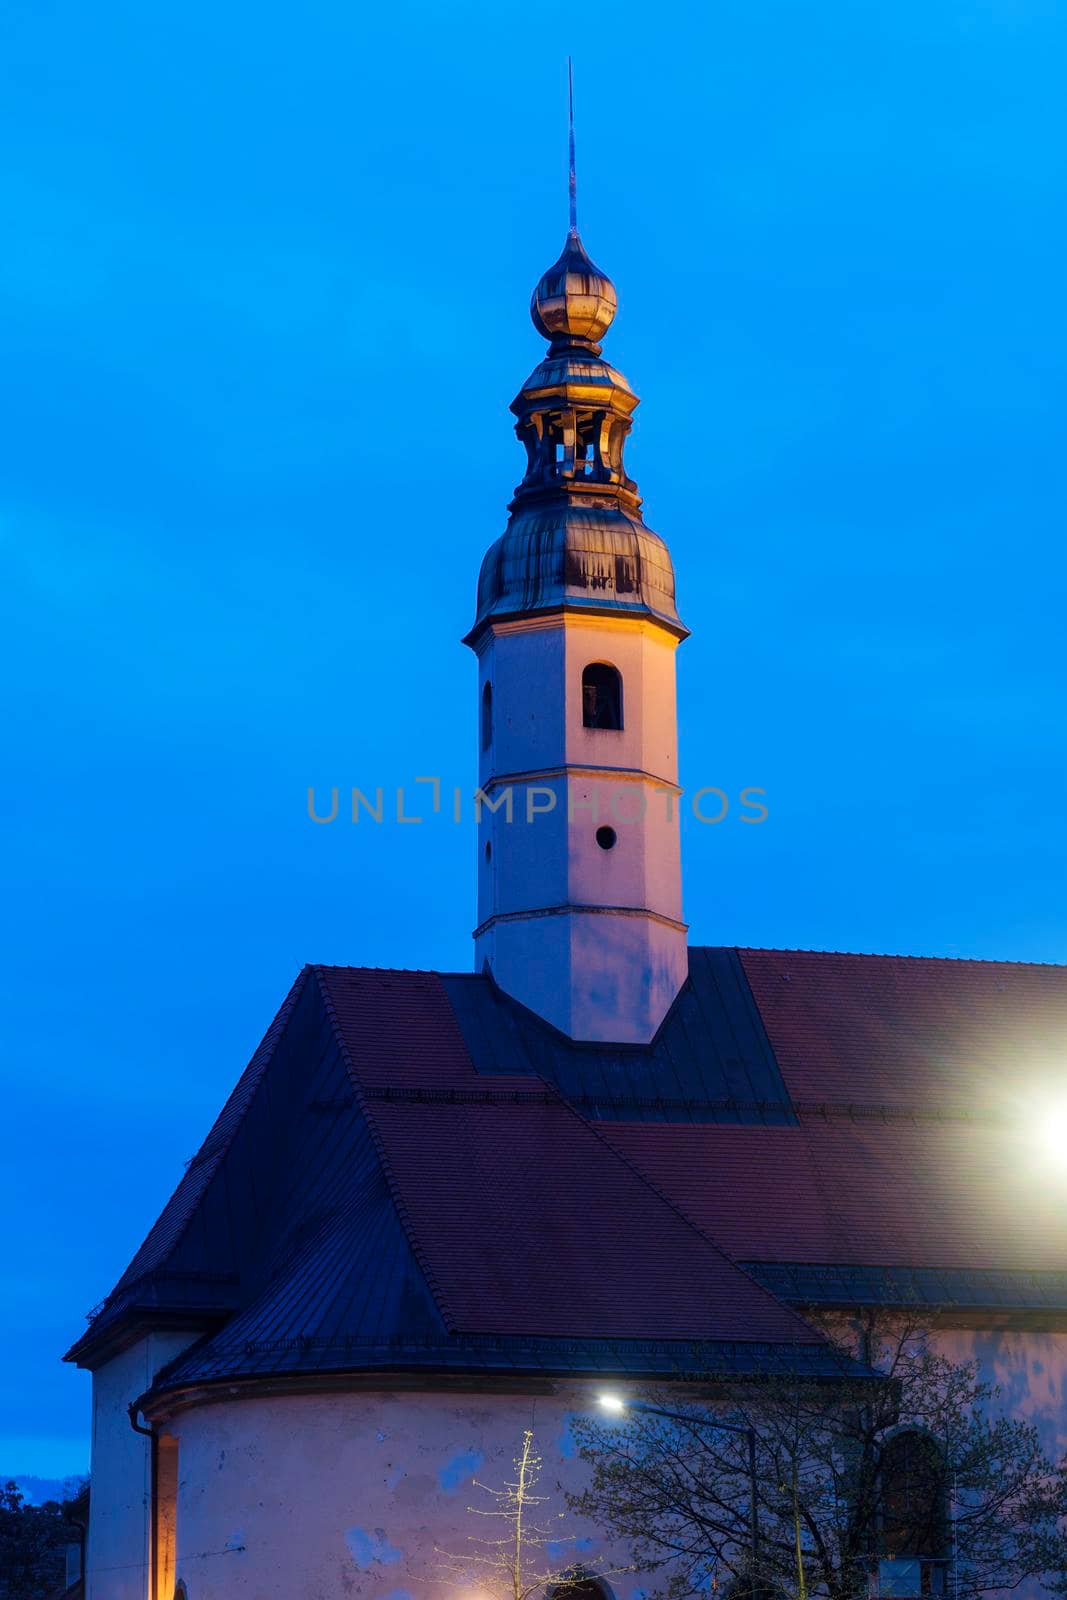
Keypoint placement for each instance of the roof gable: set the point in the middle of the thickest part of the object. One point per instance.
(287, 1169)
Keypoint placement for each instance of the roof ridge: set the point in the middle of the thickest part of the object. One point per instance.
(883, 955)
(432, 1282)
(741, 949)
(405, 972)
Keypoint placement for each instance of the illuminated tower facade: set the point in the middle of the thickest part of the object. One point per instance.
(579, 875)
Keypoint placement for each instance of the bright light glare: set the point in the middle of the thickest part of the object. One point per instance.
(1053, 1129)
(613, 1403)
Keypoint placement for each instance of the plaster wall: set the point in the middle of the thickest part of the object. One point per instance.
(117, 1557)
(539, 849)
(535, 669)
(327, 1497)
(552, 784)
(1029, 1368)
(594, 977)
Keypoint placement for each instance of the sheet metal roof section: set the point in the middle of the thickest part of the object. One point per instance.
(503, 1355)
(821, 1283)
(710, 1061)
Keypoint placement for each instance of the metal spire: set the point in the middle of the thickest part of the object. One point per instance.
(573, 181)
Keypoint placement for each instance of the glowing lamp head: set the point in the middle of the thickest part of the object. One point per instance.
(613, 1403)
(1052, 1127)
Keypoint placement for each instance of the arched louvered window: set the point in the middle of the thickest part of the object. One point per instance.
(487, 716)
(915, 1541)
(601, 696)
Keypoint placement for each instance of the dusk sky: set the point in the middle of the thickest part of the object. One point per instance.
(265, 284)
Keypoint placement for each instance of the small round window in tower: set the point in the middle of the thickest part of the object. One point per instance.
(606, 838)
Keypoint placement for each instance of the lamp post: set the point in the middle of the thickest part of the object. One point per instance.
(617, 1405)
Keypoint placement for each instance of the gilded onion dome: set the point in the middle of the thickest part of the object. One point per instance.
(573, 300)
(576, 539)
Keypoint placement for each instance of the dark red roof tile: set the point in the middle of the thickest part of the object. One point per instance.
(912, 1031)
(525, 1219)
(965, 1056)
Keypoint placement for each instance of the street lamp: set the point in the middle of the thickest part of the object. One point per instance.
(1052, 1127)
(618, 1406)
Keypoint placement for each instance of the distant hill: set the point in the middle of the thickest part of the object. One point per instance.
(36, 1491)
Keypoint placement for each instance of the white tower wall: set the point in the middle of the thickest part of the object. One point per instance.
(590, 938)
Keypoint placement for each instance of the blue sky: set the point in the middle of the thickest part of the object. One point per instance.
(264, 293)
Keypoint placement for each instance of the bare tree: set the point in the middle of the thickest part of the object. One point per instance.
(909, 1485)
(515, 1565)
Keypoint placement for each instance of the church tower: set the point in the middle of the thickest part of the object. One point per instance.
(579, 873)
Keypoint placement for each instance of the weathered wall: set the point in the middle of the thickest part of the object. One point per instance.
(610, 972)
(118, 1548)
(354, 1495)
(323, 1497)
(1029, 1368)
(1031, 1372)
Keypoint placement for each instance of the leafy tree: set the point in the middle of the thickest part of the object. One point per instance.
(32, 1541)
(911, 1484)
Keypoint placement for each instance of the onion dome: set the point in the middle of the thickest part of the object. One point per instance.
(573, 299)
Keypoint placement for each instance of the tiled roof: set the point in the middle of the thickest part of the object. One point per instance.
(912, 1031)
(919, 1086)
(414, 1170)
(863, 1193)
(523, 1217)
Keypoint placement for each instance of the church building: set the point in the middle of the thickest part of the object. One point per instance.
(440, 1208)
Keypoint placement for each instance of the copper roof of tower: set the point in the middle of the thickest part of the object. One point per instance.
(579, 557)
(576, 538)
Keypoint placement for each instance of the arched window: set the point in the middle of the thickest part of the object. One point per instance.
(487, 716)
(914, 1515)
(601, 696)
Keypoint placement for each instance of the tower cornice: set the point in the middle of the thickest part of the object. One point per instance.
(576, 614)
